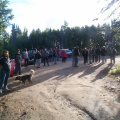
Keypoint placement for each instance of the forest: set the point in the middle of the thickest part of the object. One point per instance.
(66, 37)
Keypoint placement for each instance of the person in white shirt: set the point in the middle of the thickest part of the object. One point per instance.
(26, 57)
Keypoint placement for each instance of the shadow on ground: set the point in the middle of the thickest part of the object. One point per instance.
(60, 74)
(103, 73)
(57, 74)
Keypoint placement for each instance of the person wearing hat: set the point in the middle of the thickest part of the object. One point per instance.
(18, 59)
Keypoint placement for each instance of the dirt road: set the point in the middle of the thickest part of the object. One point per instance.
(63, 92)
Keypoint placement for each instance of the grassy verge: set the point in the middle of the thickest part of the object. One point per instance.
(115, 71)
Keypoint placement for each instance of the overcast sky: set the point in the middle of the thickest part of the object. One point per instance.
(43, 14)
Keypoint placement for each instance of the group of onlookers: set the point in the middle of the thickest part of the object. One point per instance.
(43, 55)
(95, 54)
(49, 56)
(92, 55)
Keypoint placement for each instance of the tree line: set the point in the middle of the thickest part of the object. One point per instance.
(65, 37)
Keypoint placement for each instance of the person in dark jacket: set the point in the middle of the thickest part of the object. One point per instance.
(103, 54)
(34, 55)
(75, 56)
(18, 59)
(5, 67)
(38, 59)
(85, 55)
(94, 54)
(112, 54)
(90, 55)
(45, 56)
(98, 52)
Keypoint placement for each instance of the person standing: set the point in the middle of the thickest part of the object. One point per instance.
(90, 55)
(73, 60)
(85, 55)
(26, 57)
(18, 59)
(42, 51)
(98, 52)
(55, 55)
(94, 55)
(76, 55)
(58, 55)
(64, 55)
(38, 59)
(112, 53)
(45, 56)
(51, 55)
(34, 55)
(5, 67)
(103, 54)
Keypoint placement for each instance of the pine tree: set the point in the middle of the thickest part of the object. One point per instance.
(5, 17)
(12, 43)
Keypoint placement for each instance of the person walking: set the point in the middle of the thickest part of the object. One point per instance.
(45, 56)
(18, 59)
(103, 54)
(76, 55)
(5, 67)
(38, 58)
(85, 55)
(64, 56)
(112, 54)
(26, 57)
(55, 55)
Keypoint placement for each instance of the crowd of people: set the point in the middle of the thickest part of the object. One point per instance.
(96, 54)
(92, 55)
(39, 56)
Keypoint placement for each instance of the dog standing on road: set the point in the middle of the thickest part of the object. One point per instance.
(23, 78)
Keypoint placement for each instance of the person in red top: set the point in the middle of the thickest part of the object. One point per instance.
(64, 55)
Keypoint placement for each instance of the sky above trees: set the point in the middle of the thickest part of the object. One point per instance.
(43, 14)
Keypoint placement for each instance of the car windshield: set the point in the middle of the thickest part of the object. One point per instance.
(68, 50)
